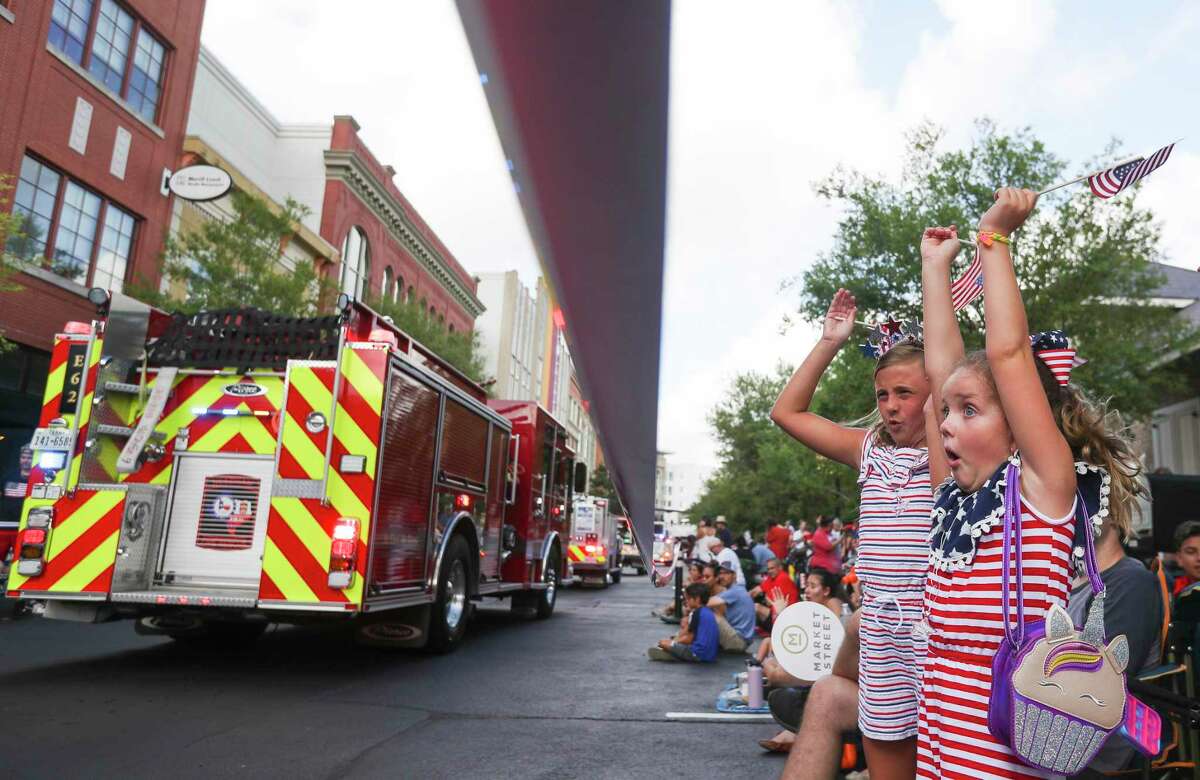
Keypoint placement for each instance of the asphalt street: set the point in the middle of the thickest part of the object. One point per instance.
(572, 696)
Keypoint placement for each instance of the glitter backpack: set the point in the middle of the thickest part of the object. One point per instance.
(1057, 692)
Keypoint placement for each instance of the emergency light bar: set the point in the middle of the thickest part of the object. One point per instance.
(200, 411)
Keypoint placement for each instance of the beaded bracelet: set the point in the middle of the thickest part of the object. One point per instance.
(986, 238)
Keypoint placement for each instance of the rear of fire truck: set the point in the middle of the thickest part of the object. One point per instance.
(594, 551)
(210, 474)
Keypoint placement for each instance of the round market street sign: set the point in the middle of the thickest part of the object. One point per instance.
(200, 182)
(805, 640)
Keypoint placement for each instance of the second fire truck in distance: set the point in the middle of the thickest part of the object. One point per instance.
(594, 548)
(207, 475)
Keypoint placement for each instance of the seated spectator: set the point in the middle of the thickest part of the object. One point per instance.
(762, 553)
(775, 587)
(706, 536)
(734, 610)
(817, 722)
(695, 574)
(709, 577)
(697, 639)
(727, 557)
(821, 587)
(1187, 555)
(1133, 607)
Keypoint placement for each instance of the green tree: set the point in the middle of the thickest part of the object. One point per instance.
(240, 263)
(462, 350)
(1084, 264)
(763, 473)
(15, 245)
(601, 485)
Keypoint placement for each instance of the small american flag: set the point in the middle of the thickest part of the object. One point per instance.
(969, 286)
(1108, 183)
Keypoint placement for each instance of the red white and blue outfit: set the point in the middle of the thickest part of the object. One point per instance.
(893, 557)
(964, 618)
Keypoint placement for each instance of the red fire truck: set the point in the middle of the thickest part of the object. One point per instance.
(209, 474)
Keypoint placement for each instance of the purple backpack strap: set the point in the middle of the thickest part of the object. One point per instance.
(1012, 523)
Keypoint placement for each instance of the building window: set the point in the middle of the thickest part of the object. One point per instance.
(145, 80)
(356, 263)
(110, 47)
(69, 24)
(99, 38)
(400, 297)
(388, 292)
(53, 205)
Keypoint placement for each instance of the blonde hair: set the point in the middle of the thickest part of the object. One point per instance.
(873, 420)
(1096, 435)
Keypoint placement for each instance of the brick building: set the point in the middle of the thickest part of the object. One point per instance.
(94, 97)
(386, 247)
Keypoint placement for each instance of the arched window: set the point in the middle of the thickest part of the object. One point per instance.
(398, 293)
(389, 291)
(356, 263)
(411, 292)
(452, 327)
(441, 319)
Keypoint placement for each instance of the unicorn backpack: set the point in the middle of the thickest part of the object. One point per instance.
(1057, 693)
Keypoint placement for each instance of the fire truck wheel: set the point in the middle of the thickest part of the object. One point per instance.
(453, 608)
(546, 599)
(616, 576)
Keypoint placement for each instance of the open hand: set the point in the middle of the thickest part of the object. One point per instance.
(839, 320)
(940, 246)
(1009, 212)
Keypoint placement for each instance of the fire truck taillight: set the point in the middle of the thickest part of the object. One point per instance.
(462, 501)
(342, 552)
(32, 544)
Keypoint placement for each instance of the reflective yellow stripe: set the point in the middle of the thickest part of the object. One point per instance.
(346, 429)
(344, 500)
(290, 583)
(311, 389)
(81, 520)
(368, 385)
(91, 567)
(300, 447)
(305, 527)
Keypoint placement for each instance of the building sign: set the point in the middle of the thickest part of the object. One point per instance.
(200, 183)
(120, 155)
(81, 125)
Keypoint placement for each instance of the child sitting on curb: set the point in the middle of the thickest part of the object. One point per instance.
(697, 637)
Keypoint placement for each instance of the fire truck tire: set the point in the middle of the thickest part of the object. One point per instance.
(547, 598)
(453, 608)
(616, 576)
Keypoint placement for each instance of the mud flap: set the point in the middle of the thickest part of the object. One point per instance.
(392, 629)
(77, 613)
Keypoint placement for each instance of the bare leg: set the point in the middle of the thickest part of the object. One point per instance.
(831, 709)
(891, 760)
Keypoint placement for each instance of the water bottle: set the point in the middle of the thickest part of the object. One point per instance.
(754, 685)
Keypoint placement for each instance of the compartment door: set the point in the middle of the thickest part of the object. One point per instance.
(217, 523)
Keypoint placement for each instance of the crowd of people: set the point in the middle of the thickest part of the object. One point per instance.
(979, 468)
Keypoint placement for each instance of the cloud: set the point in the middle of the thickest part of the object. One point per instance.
(1171, 193)
(405, 72)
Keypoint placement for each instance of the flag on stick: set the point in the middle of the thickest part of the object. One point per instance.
(969, 286)
(1108, 183)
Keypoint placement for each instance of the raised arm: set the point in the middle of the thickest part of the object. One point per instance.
(943, 340)
(1047, 467)
(834, 441)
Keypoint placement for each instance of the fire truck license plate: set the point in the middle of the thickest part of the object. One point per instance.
(52, 439)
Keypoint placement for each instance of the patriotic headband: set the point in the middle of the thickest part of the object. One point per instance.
(1054, 349)
(886, 335)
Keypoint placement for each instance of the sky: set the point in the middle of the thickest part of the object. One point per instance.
(766, 99)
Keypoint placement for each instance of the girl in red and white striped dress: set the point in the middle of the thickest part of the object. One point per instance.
(986, 409)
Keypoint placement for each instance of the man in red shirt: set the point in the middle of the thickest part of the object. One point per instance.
(778, 539)
(775, 589)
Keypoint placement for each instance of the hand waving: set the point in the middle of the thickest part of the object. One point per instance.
(839, 320)
(1009, 212)
(939, 246)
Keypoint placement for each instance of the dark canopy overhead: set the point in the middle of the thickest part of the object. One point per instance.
(578, 92)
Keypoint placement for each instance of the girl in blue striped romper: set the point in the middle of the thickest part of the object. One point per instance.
(895, 505)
